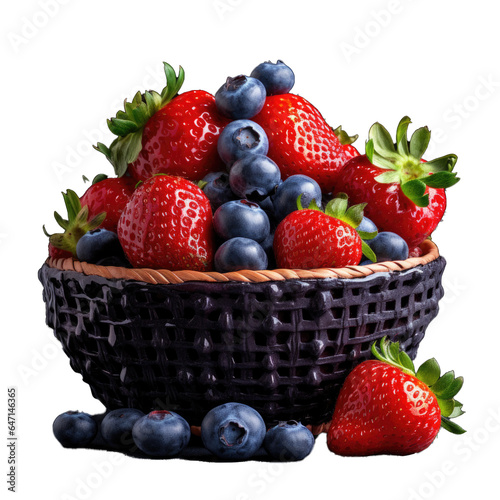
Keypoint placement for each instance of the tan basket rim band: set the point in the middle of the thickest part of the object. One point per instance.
(430, 252)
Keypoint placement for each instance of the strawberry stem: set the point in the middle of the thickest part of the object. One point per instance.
(390, 353)
(75, 226)
(338, 208)
(129, 124)
(344, 138)
(444, 387)
(403, 163)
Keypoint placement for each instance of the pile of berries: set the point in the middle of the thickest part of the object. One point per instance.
(400, 418)
(251, 178)
(254, 178)
(231, 432)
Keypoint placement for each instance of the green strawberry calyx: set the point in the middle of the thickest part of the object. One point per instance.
(75, 226)
(338, 208)
(344, 138)
(403, 163)
(444, 387)
(128, 125)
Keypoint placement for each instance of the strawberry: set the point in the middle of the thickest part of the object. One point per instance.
(108, 195)
(309, 238)
(404, 193)
(166, 133)
(75, 226)
(300, 141)
(346, 140)
(167, 224)
(57, 253)
(384, 407)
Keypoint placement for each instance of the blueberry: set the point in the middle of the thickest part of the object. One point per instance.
(254, 177)
(210, 176)
(161, 433)
(218, 190)
(239, 138)
(240, 97)
(388, 246)
(114, 260)
(116, 426)
(289, 441)
(240, 253)
(74, 429)
(267, 205)
(285, 199)
(367, 226)
(277, 78)
(241, 218)
(98, 244)
(267, 245)
(233, 431)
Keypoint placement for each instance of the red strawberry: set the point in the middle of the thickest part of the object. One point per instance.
(167, 224)
(350, 151)
(166, 133)
(404, 194)
(385, 408)
(310, 238)
(108, 195)
(346, 140)
(57, 253)
(300, 141)
(75, 226)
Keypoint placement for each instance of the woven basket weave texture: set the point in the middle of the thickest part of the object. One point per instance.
(283, 347)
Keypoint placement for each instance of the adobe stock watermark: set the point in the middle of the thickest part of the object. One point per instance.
(75, 154)
(38, 360)
(258, 482)
(365, 34)
(86, 485)
(461, 112)
(468, 446)
(33, 24)
(224, 7)
(454, 288)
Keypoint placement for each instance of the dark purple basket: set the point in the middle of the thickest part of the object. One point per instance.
(282, 347)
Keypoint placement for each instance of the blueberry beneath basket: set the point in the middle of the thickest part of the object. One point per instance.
(235, 432)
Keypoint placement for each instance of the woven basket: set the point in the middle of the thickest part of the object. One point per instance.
(281, 341)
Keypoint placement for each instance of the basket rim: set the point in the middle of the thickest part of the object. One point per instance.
(429, 249)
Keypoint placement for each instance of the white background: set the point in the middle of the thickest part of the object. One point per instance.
(67, 66)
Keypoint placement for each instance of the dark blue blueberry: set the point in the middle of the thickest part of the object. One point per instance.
(285, 199)
(161, 433)
(241, 218)
(277, 78)
(289, 441)
(114, 260)
(218, 190)
(210, 176)
(267, 245)
(254, 177)
(98, 244)
(240, 97)
(116, 427)
(388, 246)
(74, 429)
(233, 431)
(239, 138)
(267, 205)
(240, 253)
(367, 226)
(365, 262)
